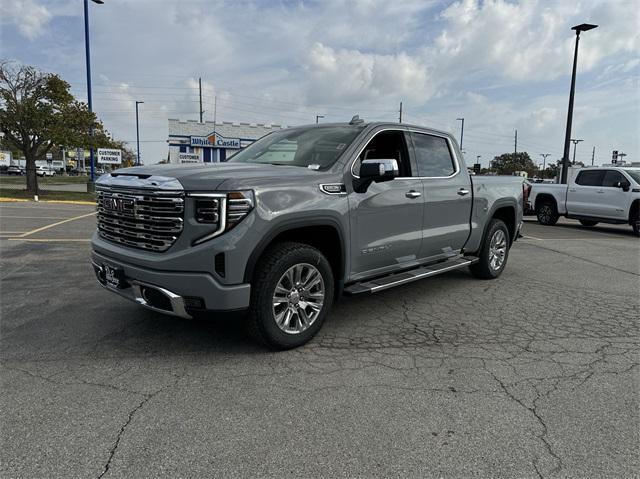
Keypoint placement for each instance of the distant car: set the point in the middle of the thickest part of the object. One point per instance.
(44, 171)
(15, 170)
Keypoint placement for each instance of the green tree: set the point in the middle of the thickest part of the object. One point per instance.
(38, 112)
(508, 163)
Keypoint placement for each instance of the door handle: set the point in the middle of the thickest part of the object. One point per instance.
(572, 190)
(600, 191)
(413, 194)
(463, 191)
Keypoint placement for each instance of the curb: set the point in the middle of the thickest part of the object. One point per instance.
(68, 202)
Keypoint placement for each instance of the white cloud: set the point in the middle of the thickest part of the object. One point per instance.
(350, 74)
(531, 40)
(28, 17)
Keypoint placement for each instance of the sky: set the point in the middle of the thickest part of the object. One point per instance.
(501, 65)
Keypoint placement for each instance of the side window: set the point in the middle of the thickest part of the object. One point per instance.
(611, 177)
(432, 155)
(387, 145)
(590, 178)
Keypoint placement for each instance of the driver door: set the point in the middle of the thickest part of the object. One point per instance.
(386, 220)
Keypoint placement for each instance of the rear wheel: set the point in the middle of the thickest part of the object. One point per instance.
(494, 251)
(547, 213)
(291, 294)
(588, 223)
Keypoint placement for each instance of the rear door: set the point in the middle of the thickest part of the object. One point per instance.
(447, 190)
(585, 195)
(386, 220)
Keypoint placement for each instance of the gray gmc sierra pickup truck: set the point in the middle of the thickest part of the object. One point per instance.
(298, 218)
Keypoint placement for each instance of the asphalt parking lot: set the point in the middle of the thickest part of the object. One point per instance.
(532, 375)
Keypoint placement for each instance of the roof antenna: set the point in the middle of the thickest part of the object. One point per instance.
(356, 120)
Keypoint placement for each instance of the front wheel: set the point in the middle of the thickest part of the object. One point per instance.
(291, 293)
(494, 251)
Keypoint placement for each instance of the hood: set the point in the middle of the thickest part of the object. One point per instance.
(213, 176)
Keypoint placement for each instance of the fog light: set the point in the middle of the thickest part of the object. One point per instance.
(193, 302)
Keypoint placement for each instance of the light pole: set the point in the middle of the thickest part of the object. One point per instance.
(575, 147)
(567, 138)
(138, 133)
(461, 131)
(88, 60)
(318, 117)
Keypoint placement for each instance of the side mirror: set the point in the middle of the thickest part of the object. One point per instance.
(622, 184)
(375, 170)
(379, 170)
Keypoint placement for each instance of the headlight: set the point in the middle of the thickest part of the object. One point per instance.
(221, 210)
(239, 205)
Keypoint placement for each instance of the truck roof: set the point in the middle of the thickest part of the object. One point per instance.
(375, 124)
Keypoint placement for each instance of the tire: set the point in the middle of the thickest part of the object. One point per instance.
(635, 223)
(281, 324)
(496, 239)
(547, 213)
(588, 223)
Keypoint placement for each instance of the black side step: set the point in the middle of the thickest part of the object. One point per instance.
(386, 282)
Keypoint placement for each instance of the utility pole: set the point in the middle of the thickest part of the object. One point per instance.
(200, 90)
(461, 131)
(400, 118)
(575, 147)
(515, 144)
(138, 134)
(215, 111)
(544, 160)
(593, 155)
(318, 118)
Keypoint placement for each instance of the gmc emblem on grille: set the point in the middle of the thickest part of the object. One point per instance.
(117, 204)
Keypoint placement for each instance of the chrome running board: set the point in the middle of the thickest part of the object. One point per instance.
(397, 279)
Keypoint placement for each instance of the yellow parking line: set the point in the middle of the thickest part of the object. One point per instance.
(52, 240)
(37, 230)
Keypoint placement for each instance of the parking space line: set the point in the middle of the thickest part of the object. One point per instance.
(38, 230)
(34, 217)
(52, 240)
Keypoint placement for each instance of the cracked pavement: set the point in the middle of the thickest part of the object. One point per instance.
(531, 375)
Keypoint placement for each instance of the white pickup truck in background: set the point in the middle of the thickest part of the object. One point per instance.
(593, 195)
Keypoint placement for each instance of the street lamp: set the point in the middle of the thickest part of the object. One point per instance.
(575, 147)
(461, 131)
(88, 60)
(567, 138)
(318, 117)
(138, 133)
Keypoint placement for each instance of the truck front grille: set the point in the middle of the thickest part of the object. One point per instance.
(148, 220)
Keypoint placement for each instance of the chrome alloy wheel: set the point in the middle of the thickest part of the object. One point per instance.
(497, 250)
(298, 298)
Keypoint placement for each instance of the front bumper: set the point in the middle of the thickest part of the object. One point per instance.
(177, 293)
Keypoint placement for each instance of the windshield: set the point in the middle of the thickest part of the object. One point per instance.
(300, 146)
(635, 174)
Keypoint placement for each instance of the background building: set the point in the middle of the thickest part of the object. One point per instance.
(193, 142)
